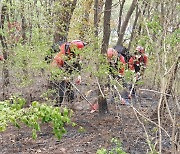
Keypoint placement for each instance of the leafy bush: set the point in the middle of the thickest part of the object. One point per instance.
(12, 111)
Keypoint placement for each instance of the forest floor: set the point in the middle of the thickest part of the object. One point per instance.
(121, 123)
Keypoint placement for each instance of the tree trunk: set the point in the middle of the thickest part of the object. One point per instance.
(120, 17)
(100, 9)
(172, 77)
(106, 26)
(103, 107)
(167, 89)
(85, 19)
(5, 71)
(24, 26)
(145, 9)
(63, 18)
(134, 27)
(30, 22)
(125, 23)
(169, 86)
(96, 18)
(102, 102)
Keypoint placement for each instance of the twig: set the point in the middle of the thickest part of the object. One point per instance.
(165, 52)
(167, 107)
(173, 135)
(81, 93)
(163, 87)
(155, 92)
(115, 87)
(99, 87)
(132, 87)
(115, 80)
(120, 98)
(150, 120)
(159, 126)
(71, 66)
(169, 69)
(148, 140)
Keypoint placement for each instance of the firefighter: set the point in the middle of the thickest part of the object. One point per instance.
(116, 63)
(67, 51)
(138, 62)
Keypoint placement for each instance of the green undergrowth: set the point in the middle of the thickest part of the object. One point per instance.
(12, 111)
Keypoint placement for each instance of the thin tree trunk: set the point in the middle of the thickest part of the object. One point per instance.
(167, 89)
(102, 102)
(125, 23)
(5, 71)
(143, 13)
(120, 17)
(85, 19)
(96, 18)
(24, 26)
(98, 6)
(30, 21)
(106, 26)
(134, 27)
(100, 9)
(172, 77)
(24, 38)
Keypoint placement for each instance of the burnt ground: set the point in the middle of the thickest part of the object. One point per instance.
(120, 123)
(98, 131)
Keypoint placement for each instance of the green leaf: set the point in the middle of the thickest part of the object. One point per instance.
(36, 126)
(35, 104)
(65, 113)
(34, 134)
(17, 125)
(74, 124)
(2, 128)
(101, 151)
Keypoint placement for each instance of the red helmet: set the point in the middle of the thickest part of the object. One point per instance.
(79, 44)
(140, 49)
(111, 52)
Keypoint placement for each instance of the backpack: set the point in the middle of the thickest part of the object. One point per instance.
(55, 46)
(54, 49)
(123, 51)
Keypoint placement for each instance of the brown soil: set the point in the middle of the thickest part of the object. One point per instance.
(98, 133)
(99, 130)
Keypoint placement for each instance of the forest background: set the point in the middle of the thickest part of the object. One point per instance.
(28, 29)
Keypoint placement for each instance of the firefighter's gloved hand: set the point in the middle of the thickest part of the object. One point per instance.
(78, 80)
